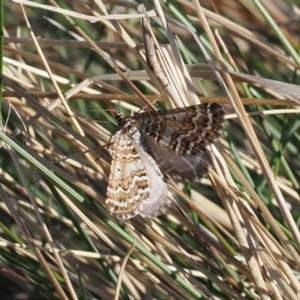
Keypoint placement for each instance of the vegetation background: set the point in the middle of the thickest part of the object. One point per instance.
(240, 236)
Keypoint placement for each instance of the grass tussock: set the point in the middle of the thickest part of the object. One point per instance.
(67, 66)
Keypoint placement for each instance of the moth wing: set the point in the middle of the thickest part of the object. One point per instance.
(184, 130)
(135, 184)
(159, 198)
(191, 167)
(128, 184)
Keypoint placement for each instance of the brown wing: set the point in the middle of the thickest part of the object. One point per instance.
(177, 138)
(184, 130)
(191, 167)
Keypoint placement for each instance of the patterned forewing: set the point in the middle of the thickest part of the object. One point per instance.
(128, 182)
(184, 130)
(177, 138)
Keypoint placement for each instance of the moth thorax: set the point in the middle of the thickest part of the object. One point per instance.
(121, 118)
(128, 123)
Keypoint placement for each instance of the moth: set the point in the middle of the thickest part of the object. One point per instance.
(151, 144)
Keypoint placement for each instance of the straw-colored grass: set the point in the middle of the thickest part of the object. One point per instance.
(67, 66)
